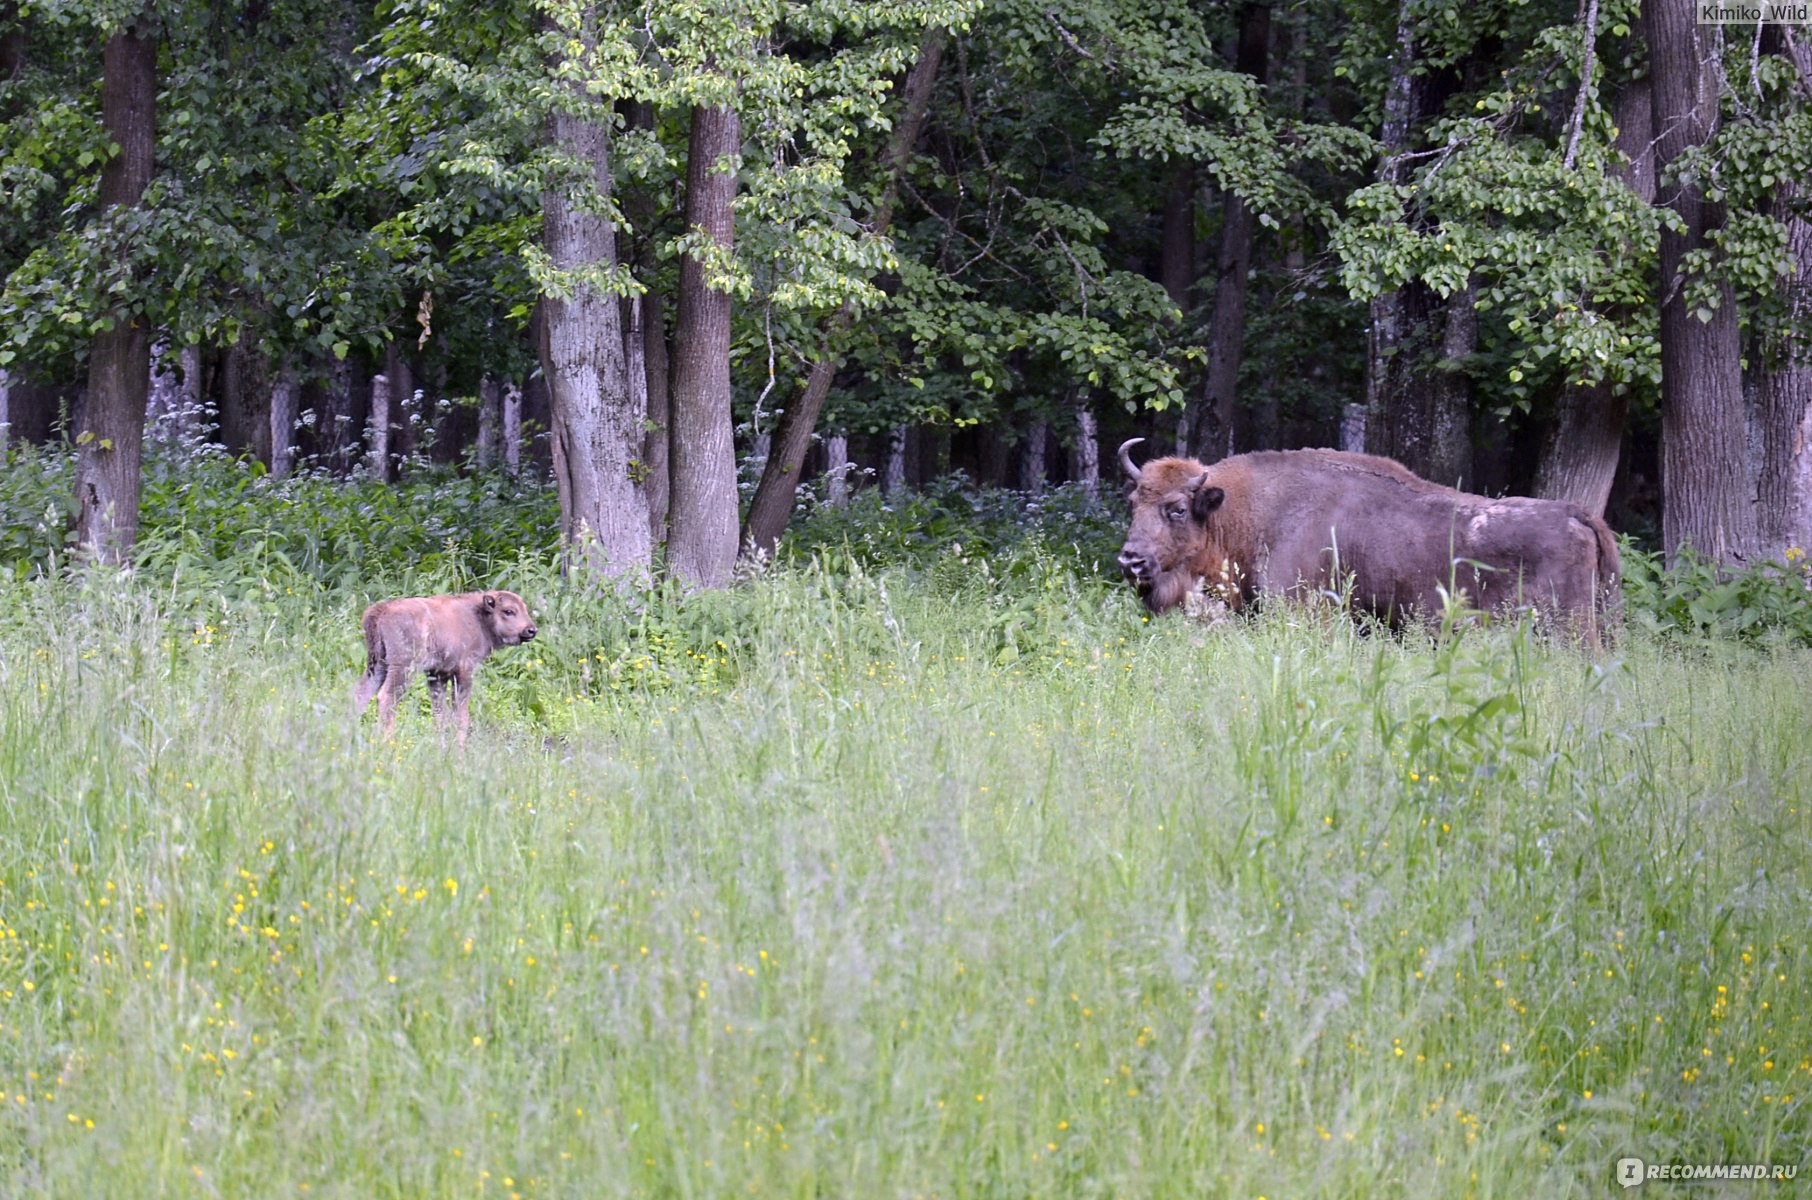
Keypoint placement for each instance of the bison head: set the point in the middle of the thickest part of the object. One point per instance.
(507, 616)
(1171, 504)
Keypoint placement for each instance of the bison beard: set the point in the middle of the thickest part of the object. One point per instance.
(1306, 521)
(445, 636)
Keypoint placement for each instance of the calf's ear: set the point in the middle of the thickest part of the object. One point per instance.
(489, 602)
(1207, 499)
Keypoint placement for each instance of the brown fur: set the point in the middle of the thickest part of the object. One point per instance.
(1304, 521)
(444, 636)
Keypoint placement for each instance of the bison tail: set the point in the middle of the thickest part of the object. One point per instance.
(1610, 568)
(374, 641)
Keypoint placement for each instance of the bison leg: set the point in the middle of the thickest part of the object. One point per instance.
(368, 686)
(437, 698)
(370, 681)
(396, 681)
(462, 700)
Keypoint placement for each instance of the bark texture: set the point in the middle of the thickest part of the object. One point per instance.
(701, 542)
(110, 444)
(1085, 456)
(596, 416)
(1706, 485)
(377, 432)
(893, 468)
(836, 470)
(490, 422)
(285, 397)
(1784, 378)
(512, 427)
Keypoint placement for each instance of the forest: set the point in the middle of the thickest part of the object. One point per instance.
(690, 258)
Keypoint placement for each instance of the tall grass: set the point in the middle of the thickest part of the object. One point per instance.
(922, 864)
(881, 882)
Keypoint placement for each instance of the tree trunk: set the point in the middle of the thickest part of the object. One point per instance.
(1449, 458)
(596, 415)
(490, 423)
(164, 400)
(284, 395)
(1085, 456)
(342, 416)
(405, 405)
(701, 544)
(377, 432)
(1031, 460)
(1706, 484)
(1219, 425)
(772, 503)
(6, 412)
(640, 204)
(893, 470)
(656, 445)
(1784, 377)
(1585, 439)
(245, 419)
(512, 428)
(110, 444)
(1417, 397)
(836, 470)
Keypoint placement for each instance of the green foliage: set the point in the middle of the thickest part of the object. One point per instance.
(1698, 599)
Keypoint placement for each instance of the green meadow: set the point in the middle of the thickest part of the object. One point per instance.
(915, 869)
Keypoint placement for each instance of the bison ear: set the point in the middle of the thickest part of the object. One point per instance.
(1207, 499)
(490, 602)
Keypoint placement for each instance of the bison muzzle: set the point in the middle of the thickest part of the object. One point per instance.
(446, 637)
(1327, 521)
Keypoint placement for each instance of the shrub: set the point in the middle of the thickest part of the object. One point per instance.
(1700, 599)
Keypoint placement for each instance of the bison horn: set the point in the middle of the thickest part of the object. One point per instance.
(1126, 461)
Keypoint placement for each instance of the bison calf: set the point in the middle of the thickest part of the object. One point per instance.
(445, 636)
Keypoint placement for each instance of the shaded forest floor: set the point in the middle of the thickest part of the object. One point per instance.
(901, 868)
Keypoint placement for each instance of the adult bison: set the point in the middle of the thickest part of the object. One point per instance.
(1296, 521)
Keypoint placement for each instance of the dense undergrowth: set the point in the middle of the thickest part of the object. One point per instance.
(919, 862)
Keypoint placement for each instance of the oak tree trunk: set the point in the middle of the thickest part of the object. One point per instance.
(1218, 427)
(405, 407)
(657, 454)
(596, 415)
(836, 470)
(893, 468)
(377, 429)
(1085, 456)
(285, 393)
(641, 206)
(772, 503)
(490, 423)
(1706, 485)
(1580, 451)
(1032, 458)
(1784, 377)
(701, 543)
(512, 427)
(1417, 396)
(110, 444)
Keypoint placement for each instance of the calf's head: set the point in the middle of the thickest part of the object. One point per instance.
(506, 615)
(1171, 505)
